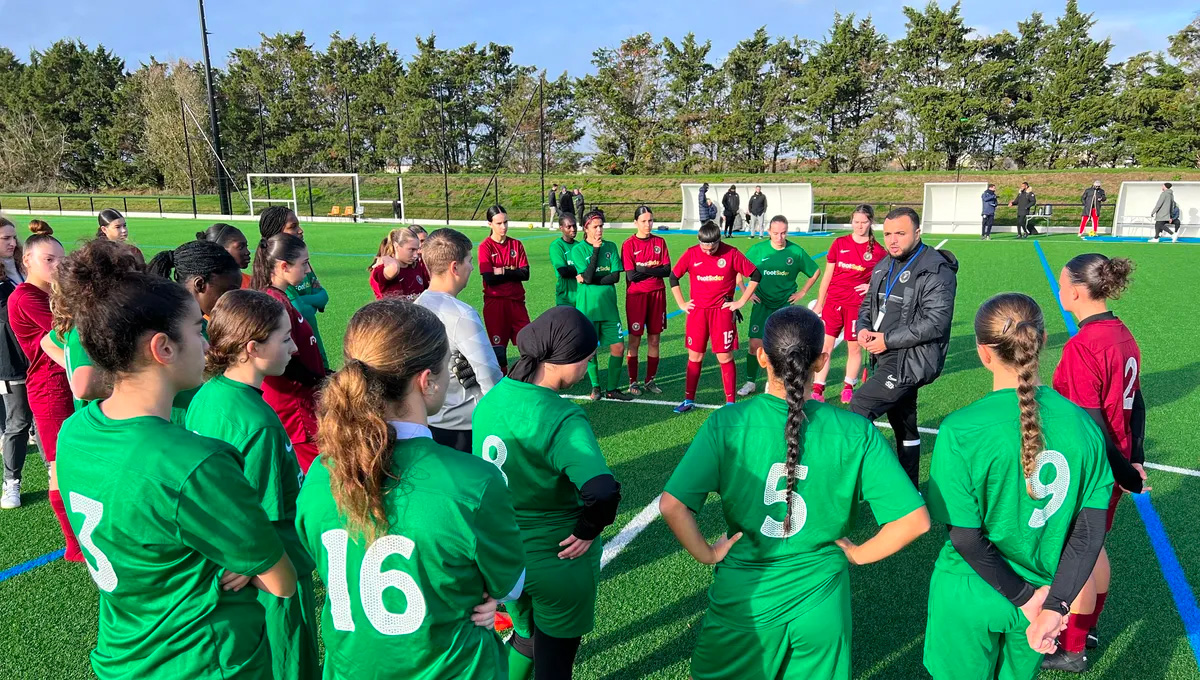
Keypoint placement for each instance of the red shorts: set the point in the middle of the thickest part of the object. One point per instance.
(504, 318)
(711, 323)
(840, 318)
(646, 312)
(1112, 507)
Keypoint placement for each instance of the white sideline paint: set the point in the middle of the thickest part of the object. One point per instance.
(1172, 468)
(939, 246)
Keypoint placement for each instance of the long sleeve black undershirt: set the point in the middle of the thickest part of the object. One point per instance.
(640, 273)
(1078, 559)
(981, 554)
(1137, 426)
(567, 272)
(297, 371)
(518, 274)
(1123, 472)
(589, 274)
(601, 495)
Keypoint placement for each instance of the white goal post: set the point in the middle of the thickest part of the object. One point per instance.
(292, 177)
(1137, 199)
(793, 200)
(953, 207)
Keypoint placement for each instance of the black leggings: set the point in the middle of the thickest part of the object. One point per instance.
(553, 658)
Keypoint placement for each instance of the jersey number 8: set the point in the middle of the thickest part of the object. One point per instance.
(771, 527)
(372, 582)
(1056, 490)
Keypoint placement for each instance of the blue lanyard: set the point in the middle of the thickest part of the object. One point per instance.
(890, 282)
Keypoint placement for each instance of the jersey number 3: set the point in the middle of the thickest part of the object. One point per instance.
(372, 582)
(93, 512)
(771, 527)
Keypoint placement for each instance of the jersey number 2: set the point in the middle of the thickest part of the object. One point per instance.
(771, 527)
(1131, 373)
(1056, 490)
(372, 582)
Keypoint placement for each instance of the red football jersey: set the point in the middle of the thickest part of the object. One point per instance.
(29, 317)
(1101, 368)
(293, 401)
(645, 252)
(410, 281)
(853, 263)
(713, 277)
(494, 255)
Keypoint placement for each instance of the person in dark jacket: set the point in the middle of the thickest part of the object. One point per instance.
(552, 201)
(579, 205)
(708, 211)
(758, 210)
(1024, 202)
(904, 323)
(17, 416)
(730, 202)
(566, 206)
(1093, 198)
(989, 211)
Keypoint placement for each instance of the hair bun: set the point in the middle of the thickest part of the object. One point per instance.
(40, 228)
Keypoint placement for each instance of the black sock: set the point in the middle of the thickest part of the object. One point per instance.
(553, 658)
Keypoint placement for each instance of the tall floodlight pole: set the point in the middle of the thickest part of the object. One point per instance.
(222, 188)
(542, 135)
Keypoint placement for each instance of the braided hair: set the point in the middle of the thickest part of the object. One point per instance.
(203, 259)
(272, 220)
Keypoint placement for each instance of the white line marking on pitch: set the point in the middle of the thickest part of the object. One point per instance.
(1172, 468)
(636, 526)
(939, 246)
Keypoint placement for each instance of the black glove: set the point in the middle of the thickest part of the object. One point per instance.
(737, 314)
(461, 369)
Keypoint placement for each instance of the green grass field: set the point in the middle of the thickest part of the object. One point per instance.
(653, 594)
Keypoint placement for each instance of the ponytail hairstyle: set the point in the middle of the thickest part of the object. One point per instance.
(106, 217)
(387, 247)
(116, 305)
(1105, 278)
(418, 231)
(272, 220)
(793, 338)
(100, 254)
(869, 213)
(203, 259)
(388, 343)
(18, 257)
(221, 234)
(239, 317)
(279, 248)
(642, 210)
(1011, 325)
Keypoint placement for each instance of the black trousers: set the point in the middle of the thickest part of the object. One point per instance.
(988, 221)
(880, 395)
(455, 439)
(1163, 226)
(730, 218)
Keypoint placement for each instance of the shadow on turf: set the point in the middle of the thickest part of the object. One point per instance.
(1167, 387)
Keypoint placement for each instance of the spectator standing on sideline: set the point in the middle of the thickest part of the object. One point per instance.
(758, 209)
(17, 416)
(1093, 198)
(552, 202)
(579, 204)
(904, 322)
(730, 202)
(1163, 213)
(989, 211)
(566, 206)
(708, 211)
(1024, 202)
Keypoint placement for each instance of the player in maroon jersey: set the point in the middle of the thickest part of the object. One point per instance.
(1100, 372)
(503, 266)
(646, 263)
(398, 270)
(713, 268)
(848, 269)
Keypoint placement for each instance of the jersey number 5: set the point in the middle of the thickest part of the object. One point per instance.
(93, 512)
(1056, 490)
(372, 582)
(771, 527)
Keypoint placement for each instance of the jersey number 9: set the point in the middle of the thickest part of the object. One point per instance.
(372, 582)
(771, 527)
(1056, 490)
(495, 451)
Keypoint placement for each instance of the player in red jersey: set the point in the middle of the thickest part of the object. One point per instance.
(647, 263)
(398, 270)
(713, 267)
(503, 266)
(1100, 372)
(847, 276)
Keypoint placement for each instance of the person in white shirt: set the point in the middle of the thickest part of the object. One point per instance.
(447, 254)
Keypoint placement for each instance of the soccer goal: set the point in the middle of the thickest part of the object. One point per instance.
(312, 194)
(952, 207)
(1137, 199)
(794, 200)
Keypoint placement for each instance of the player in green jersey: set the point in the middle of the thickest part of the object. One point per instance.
(790, 472)
(560, 258)
(780, 262)
(1021, 480)
(169, 527)
(308, 296)
(562, 489)
(413, 540)
(600, 267)
(251, 339)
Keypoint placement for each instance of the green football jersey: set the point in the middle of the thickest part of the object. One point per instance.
(770, 577)
(309, 299)
(401, 606)
(74, 355)
(779, 271)
(161, 513)
(546, 453)
(976, 480)
(598, 303)
(560, 256)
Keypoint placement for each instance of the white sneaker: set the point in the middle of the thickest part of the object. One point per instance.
(1175, 236)
(1153, 240)
(11, 498)
(746, 390)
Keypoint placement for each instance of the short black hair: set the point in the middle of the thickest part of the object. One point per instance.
(991, 185)
(709, 232)
(1024, 184)
(904, 211)
(1167, 185)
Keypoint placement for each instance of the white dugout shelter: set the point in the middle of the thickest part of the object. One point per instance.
(795, 200)
(953, 207)
(1137, 199)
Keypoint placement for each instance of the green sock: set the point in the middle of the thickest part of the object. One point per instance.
(594, 372)
(520, 667)
(751, 368)
(615, 364)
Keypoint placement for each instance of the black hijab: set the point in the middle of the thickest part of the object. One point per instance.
(561, 335)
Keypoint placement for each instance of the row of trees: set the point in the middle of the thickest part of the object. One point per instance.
(940, 96)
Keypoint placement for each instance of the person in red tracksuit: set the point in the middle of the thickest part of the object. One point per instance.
(279, 262)
(48, 389)
(503, 266)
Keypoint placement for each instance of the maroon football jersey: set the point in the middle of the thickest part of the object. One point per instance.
(852, 264)
(713, 277)
(1101, 368)
(647, 252)
(494, 255)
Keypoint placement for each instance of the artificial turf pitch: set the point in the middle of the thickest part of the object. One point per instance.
(652, 594)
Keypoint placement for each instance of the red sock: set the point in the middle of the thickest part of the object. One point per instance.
(1100, 598)
(693, 379)
(632, 363)
(1074, 638)
(60, 513)
(651, 368)
(728, 376)
(819, 388)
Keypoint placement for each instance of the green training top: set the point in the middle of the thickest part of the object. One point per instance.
(598, 303)
(779, 271)
(769, 578)
(74, 355)
(308, 299)
(560, 256)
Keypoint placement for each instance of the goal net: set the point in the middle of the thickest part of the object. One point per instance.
(325, 194)
(1137, 199)
(793, 200)
(952, 207)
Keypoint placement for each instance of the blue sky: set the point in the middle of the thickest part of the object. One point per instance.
(562, 40)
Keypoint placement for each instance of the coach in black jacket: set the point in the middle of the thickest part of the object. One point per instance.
(731, 202)
(904, 322)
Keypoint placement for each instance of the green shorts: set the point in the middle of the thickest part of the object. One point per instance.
(815, 644)
(559, 594)
(973, 632)
(609, 332)
(758, 319)
(292, 632)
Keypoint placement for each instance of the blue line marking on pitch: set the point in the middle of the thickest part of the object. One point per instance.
(1177, 583)
(1136, 239)
(31, 564)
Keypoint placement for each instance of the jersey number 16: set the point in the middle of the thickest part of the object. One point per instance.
(372, 582)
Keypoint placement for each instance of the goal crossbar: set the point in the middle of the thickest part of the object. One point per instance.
(292, 177)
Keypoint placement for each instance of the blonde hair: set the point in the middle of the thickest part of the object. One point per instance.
(387, 247)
